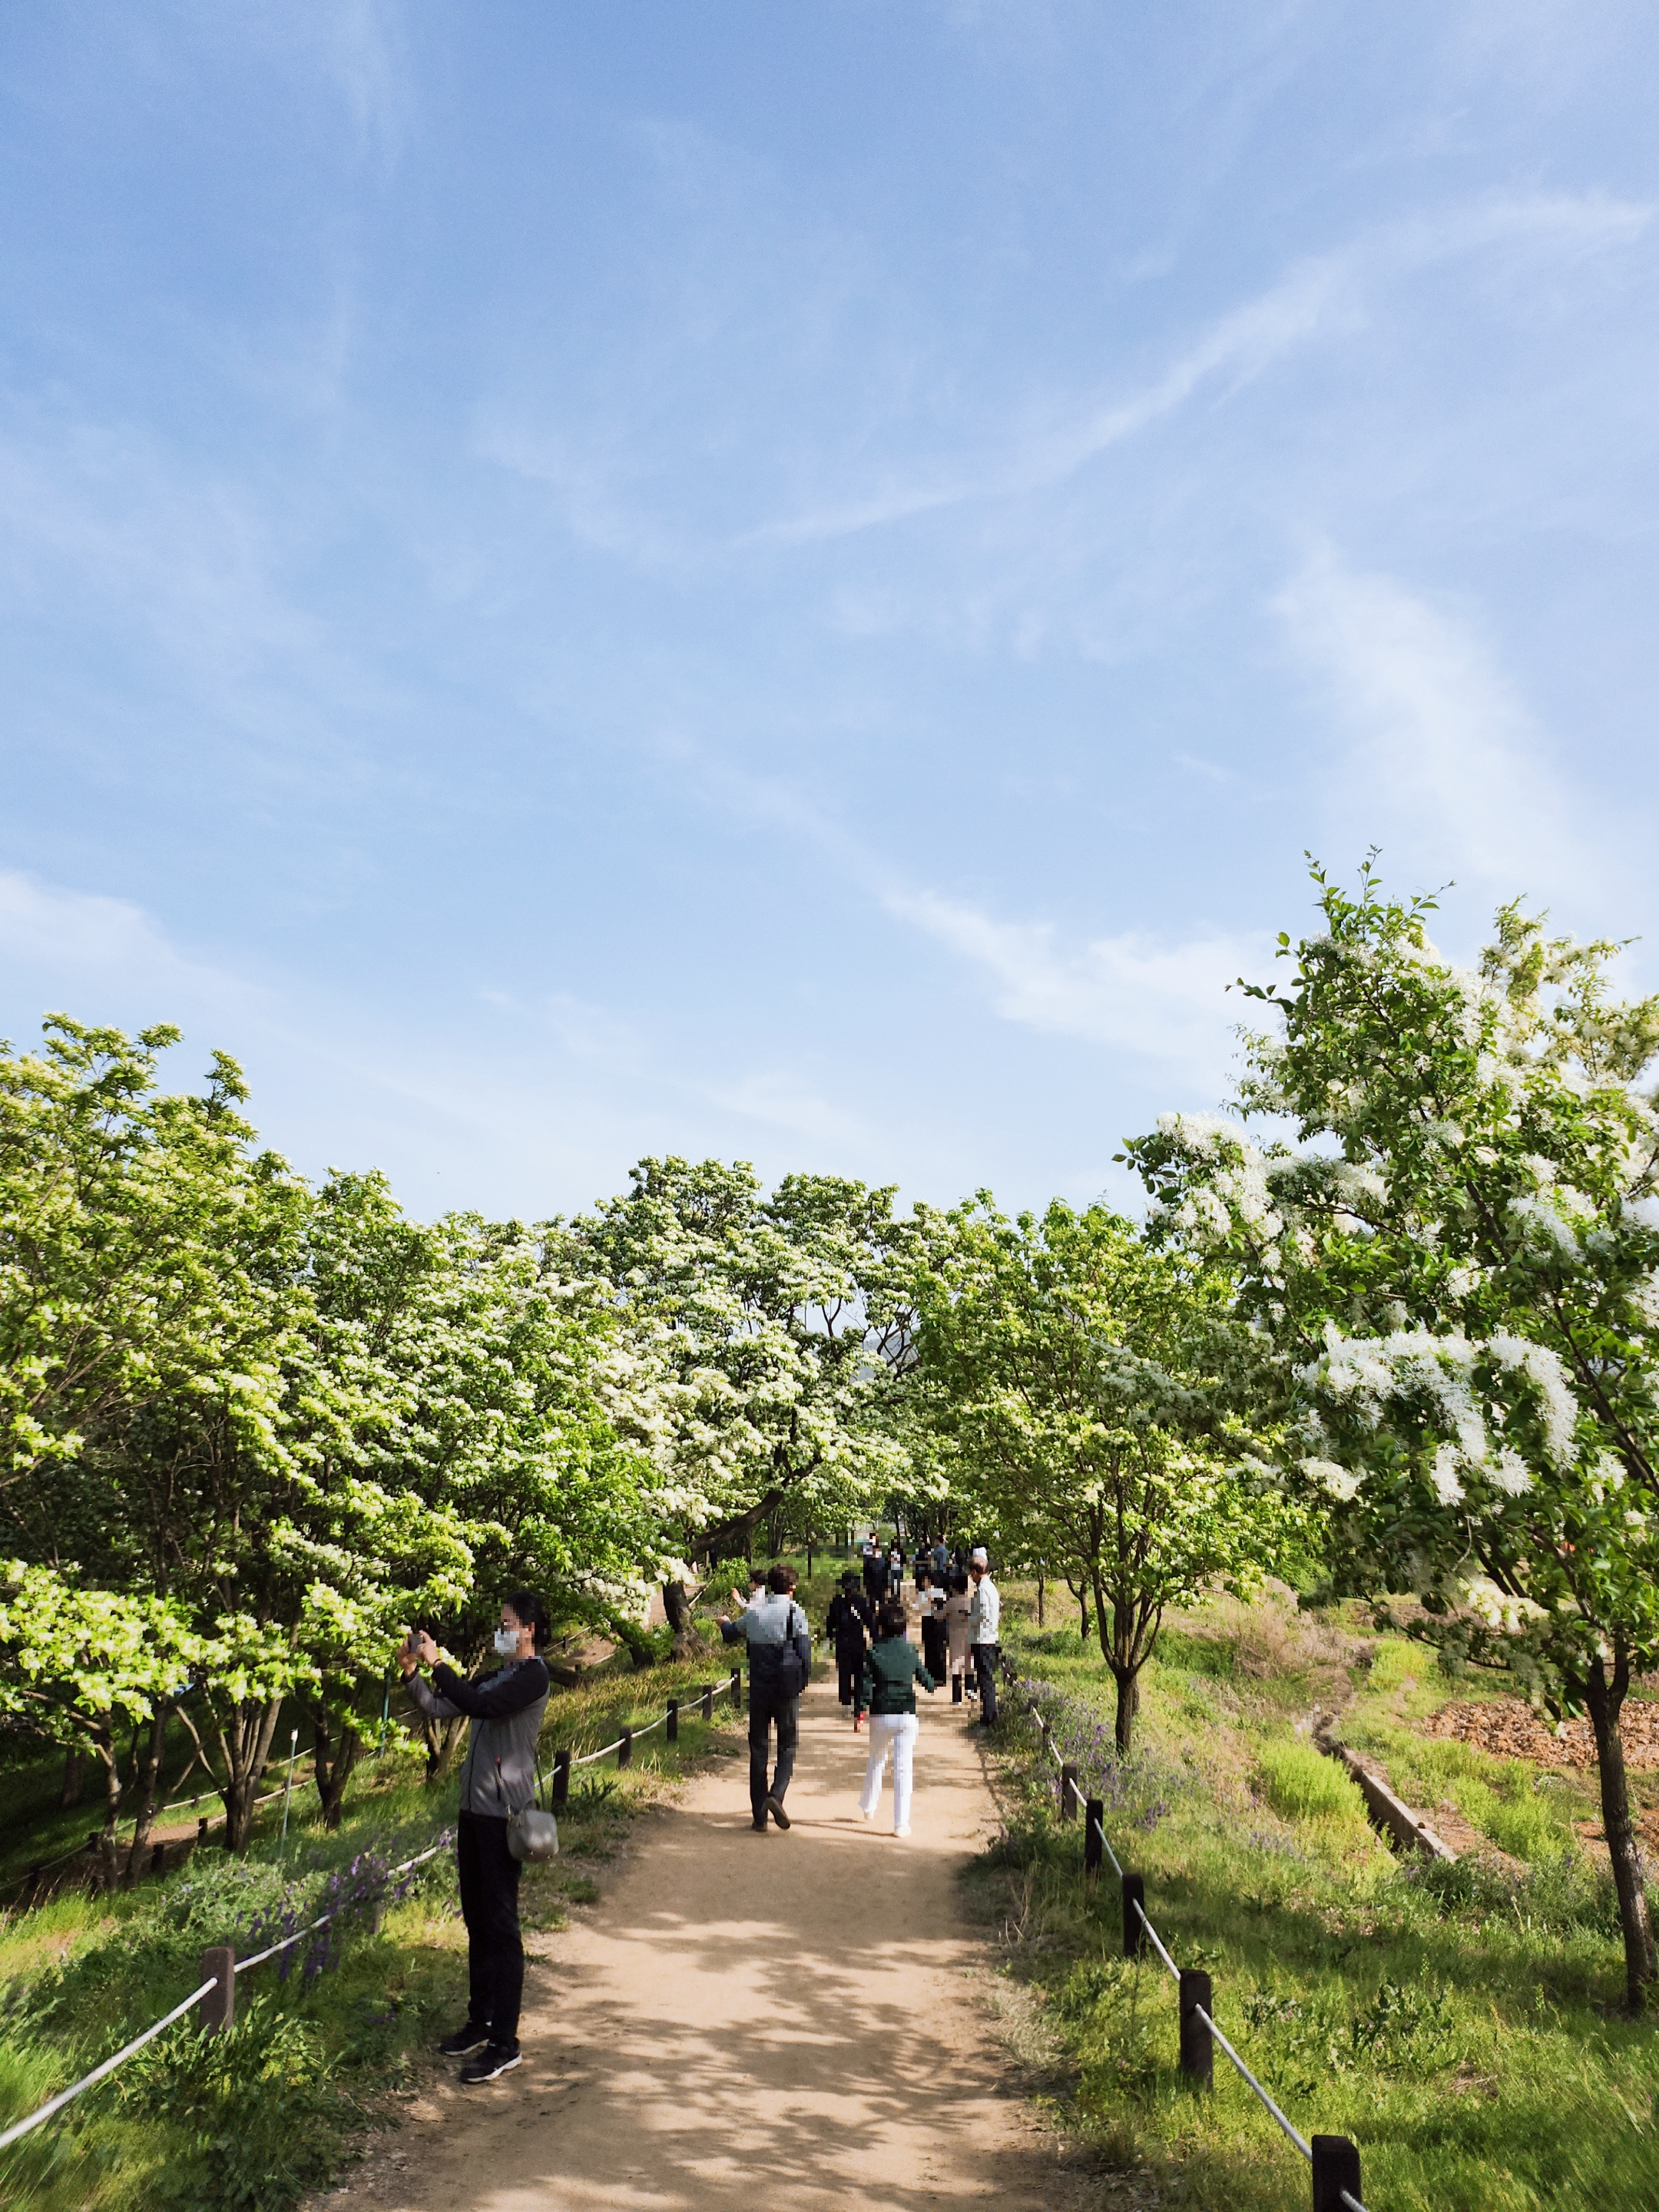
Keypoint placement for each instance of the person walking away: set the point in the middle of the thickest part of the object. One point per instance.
(892, 1668)
(505, 1707)
(895, 1569)
(934, 1650)
(941, 1562)
(959, 1618)
(875, 1574)
(985, 1626)
(846, 1625)
(780, 1660)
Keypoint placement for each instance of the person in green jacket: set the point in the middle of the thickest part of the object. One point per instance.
(887, 1688)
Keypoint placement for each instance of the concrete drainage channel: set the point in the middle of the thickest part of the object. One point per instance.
(1390, 1813)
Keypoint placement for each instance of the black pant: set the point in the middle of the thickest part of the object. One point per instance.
(849, 1665)
(935, 1656)
(766, 1707)
(490, 1905)
(985, 1669)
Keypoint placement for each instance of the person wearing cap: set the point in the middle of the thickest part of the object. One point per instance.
(985, 1624)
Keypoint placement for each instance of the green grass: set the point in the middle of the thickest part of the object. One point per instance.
(253, 2119)
(1462, 2023)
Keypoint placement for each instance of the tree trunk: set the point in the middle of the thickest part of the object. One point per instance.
(244, 1746)
(107, 1847)
(334, 1753)
(144, 1817)
(729, 1538)
(677, 1606)
(74, 1776)
(442, 1739)
(1605, 1700)
(1128, 1704)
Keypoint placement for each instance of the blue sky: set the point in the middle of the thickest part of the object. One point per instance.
(586, 579)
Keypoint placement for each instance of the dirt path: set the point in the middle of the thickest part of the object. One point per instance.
(745, 2022)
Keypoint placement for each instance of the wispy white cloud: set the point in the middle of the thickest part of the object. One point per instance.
(1319, 297)
(83, 940)
(783, 1100)
(1163, 1000)
(1444, 760)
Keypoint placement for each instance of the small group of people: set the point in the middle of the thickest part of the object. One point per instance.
(877, 1666)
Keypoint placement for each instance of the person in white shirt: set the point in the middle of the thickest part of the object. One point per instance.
(985, 1624)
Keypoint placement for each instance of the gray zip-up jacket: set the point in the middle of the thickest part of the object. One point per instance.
(766, 1626)
(505, 1707)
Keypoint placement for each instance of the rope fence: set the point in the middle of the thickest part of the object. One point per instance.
(1334, 2160)
(217, 1994)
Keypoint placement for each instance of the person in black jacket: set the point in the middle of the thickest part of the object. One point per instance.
(499, 1780)
(848, 1627)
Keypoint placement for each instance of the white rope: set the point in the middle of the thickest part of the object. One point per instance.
(1299, 2139)
(56, 2104)
(1157, 1943)
(588, 1758)
(1352, 2203)
(1107, 1848)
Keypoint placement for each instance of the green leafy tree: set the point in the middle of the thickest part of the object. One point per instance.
(1091, 1388)
(1458, 1265)
(77, 1665)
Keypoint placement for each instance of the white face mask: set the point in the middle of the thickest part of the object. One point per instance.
(507, 1642)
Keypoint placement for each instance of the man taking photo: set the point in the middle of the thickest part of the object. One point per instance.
(780, 1658)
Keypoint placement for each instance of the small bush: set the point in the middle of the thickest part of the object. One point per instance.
(255, 2114)
(1298, 1782)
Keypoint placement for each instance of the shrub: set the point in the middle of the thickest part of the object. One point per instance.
(254, 2113)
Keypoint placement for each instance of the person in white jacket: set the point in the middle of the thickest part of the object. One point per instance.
(985, 1626)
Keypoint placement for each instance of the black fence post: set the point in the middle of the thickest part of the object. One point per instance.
(202, 1829)
(708, 1702)
(158, 1858)
(219, 2005)
(737, 1690)
(1135, 1931)
(1335, 2167)
(625, 1749)
(1067, 1790)
(560, 1780)
(1094, 1833)
(1197, 2048)
(671, 1734)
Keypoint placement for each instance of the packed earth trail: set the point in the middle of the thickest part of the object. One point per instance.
(753, 2021)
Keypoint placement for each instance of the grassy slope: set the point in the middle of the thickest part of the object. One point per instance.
(1461, 2025)
(255, 2118)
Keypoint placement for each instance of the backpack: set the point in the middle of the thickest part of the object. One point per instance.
(791, 1670)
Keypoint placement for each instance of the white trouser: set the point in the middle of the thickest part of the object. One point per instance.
(898, 1729)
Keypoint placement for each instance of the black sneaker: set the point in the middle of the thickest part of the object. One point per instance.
(464, 2041)
(759, 1827)
(495, 2058)
(774, 1807)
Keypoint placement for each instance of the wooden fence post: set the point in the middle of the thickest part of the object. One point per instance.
(671, 1734)
(219, 2005)
(708, 1701)
(1335, 2167)
(1135, 1932)
(737, 1690)
(1197, 2049)
(1067, 1790)
(1094, 1829)
(560, 1780)
(625, 1749)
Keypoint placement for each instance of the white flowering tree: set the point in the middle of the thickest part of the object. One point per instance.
(1455, 1266)
(763, 1334)
(1091, 1388)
